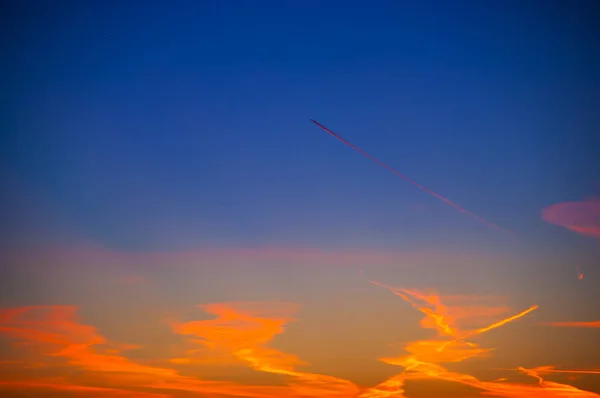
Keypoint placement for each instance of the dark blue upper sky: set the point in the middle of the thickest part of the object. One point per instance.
(186, 123)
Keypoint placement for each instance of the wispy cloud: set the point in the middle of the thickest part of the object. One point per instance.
(53, 332)
(242, 330)
(82, 360)
(424, 359)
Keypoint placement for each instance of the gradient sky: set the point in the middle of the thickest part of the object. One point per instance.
(159, 155)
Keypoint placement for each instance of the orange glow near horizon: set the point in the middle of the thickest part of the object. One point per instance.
(52, 351)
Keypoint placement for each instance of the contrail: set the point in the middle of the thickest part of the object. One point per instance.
(416, 184)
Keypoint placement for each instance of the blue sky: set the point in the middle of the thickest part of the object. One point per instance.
(171, 126)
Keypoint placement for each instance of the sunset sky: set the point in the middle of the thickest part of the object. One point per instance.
(173, 224)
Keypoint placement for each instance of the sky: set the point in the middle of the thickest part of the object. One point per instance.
(174, 225)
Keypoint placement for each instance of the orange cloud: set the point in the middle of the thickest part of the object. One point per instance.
(581, 217)
(551, 369)
(424, 358)
(53, 332)
(55, 329)
(84, 362)
(243, 330)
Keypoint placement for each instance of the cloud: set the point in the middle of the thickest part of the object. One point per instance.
(52, 333)
(82, 361)
(581, 217)
(56, 333)
(424, 359)
(243, 331)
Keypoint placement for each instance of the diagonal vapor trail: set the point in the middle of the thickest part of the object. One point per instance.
(429, 191)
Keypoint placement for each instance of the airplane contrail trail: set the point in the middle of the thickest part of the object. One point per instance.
(429, 191)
